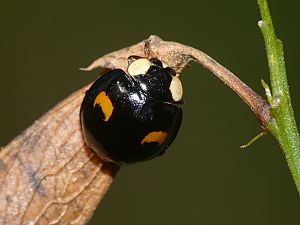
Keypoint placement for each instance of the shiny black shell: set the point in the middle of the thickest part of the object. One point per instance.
(127, 119)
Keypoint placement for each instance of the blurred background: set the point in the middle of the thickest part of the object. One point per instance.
(204, 178)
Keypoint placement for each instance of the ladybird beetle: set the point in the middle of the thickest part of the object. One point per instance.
(132, 116)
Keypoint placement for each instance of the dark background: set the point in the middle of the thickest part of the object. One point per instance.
(205, 178)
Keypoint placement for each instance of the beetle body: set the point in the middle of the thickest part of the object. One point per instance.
(134, 116)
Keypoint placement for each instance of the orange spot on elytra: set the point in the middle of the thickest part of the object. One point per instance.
(105, 103)
(155, 136)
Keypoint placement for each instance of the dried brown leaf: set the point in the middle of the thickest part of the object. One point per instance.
(49, 176)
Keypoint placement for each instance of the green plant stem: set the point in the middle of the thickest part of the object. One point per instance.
(283, 125)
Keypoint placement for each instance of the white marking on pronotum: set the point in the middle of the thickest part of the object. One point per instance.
(164, 64)
(176, 89)
(139, 67)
